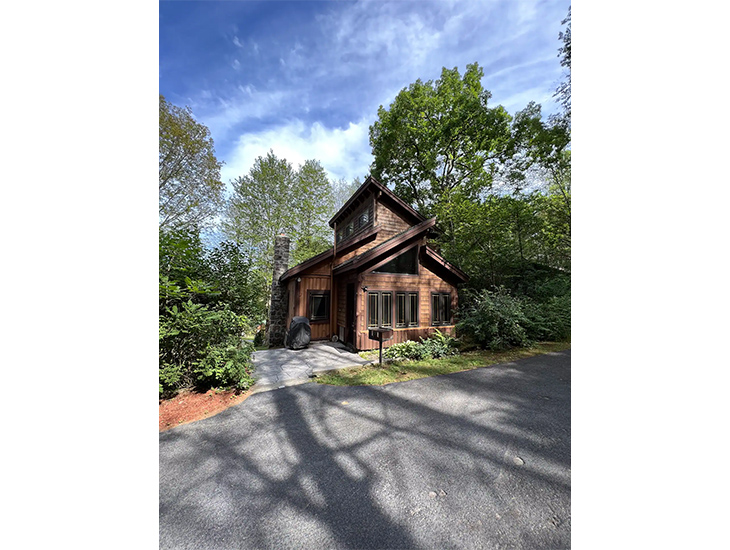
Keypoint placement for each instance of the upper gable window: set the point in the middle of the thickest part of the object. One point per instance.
(358, 221)
(404, 264)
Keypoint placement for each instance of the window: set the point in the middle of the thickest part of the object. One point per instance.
(440, 309)
(386, 311)
(380, 309)
(318, 305)
(358, 221)
(406, 309)
(405, 264)
(373, 309)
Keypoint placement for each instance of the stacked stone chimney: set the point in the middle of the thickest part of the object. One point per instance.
(276, 327)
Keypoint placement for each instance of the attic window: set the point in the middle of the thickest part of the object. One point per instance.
(358, 221)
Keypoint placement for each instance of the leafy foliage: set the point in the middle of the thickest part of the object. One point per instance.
(493, 319)
(200, 346)
(437, 138)
(191, 191)
(434, 347)
(274, 198)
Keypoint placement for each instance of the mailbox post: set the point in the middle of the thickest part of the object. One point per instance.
(381, 335)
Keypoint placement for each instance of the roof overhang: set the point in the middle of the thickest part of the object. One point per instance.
(327, 254)
(385, 247)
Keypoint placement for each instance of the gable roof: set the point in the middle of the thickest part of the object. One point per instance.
(385, 246)
(373, 185)
(314, 260)
(431, 253)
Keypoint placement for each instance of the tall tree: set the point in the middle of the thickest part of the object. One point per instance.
(274, 198)
(563, 91)
(438, 138)
(191, 191)
(312, 211)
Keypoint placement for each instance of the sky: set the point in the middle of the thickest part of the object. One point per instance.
(305, 79)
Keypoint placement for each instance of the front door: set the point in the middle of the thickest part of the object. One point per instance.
(350, 314)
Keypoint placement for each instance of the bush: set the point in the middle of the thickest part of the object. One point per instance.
(494, 319)
(439, 345)
(202, 347)
(258, 339)
(435, 346)
(406, 350)
(549, 320)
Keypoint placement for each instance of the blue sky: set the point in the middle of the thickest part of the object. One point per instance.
(306, 78)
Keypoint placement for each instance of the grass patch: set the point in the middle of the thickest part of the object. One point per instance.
(400, 371)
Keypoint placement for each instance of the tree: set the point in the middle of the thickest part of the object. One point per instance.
(342, 190)
(437, 139)
(563, 91)
(274, 198)
(191, 191)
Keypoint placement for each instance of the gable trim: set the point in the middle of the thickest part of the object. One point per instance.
(385, 247)
(371, 181)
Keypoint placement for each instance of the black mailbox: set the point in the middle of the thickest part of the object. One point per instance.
(381, 335)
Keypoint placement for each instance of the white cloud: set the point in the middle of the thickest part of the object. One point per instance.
(344, 153)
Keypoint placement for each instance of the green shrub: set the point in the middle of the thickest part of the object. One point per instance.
(406, 350)
(435, 346)
(200, 347)
(439, 345)
(493, 319)
(226, 366)
(258, 339)
(549, 320)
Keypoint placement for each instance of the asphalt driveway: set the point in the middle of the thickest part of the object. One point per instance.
(478, 459)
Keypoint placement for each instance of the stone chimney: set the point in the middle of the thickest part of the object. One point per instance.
(276, 327)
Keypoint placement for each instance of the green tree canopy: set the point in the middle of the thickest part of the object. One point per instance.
(191, 192)
(275, 198)
(437, 139)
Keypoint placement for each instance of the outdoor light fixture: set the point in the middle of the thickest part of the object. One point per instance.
(299, 279)
(364, 289)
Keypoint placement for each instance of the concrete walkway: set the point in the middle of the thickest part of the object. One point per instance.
(286, 367)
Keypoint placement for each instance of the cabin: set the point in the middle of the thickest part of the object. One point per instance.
(380, 273)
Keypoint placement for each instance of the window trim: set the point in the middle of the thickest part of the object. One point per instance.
(409, 321)
(326, 295)
(379, 303)
(448, 313)
(378, 267)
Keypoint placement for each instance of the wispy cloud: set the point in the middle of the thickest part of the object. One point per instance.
(344, 153)
(307, 81)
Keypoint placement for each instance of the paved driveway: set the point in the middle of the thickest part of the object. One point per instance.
(282, 366)
(478, 459)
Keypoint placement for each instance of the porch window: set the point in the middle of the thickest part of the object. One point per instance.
(318, 305)
(406, 309)
(440, 309)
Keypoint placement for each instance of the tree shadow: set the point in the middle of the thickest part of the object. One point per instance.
(341, 467)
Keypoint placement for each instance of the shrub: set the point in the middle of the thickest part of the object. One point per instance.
(406, 350)
(549, 320)
(226, 366)
(435, 346)
(439, 345)
(258, 339)
(201, 347)
(493, 319)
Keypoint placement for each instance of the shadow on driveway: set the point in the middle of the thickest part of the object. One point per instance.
(477, 459)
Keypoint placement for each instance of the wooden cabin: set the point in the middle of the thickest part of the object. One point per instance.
(380, 273)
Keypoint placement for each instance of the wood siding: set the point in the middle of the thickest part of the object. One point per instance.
(317, 277)
(424, 283)
(298, 302)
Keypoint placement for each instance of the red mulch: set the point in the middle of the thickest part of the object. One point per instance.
(188, 406)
